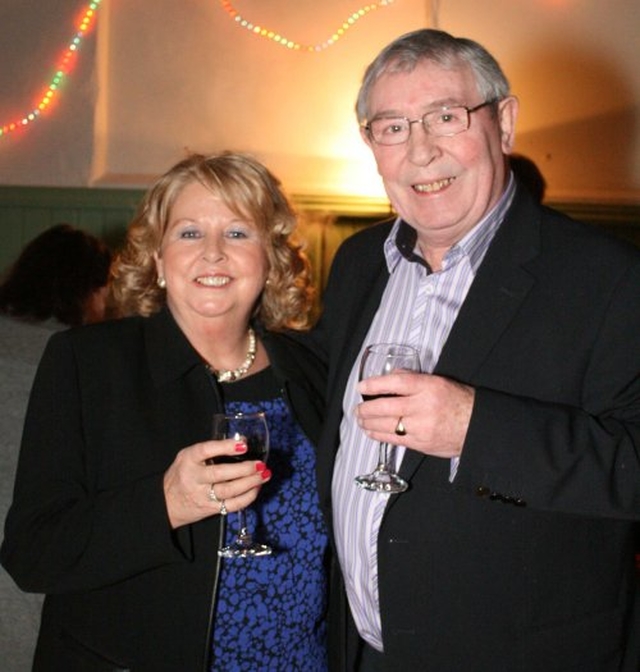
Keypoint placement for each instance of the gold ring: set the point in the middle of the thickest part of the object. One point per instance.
(212, 495)
(400, 428)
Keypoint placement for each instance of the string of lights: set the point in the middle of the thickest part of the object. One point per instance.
(62, 70)
(272, 35)
(87, 20)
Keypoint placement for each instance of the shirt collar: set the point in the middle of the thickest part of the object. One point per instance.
(401, 241)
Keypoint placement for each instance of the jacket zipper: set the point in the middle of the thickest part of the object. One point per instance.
(214, 595)
(207, 658)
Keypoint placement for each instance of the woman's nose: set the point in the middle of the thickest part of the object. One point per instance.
(214, 248)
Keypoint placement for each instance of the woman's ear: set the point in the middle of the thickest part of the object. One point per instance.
(159, 267)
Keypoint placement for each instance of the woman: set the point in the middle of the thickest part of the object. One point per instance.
(59, 279)
(119, 505)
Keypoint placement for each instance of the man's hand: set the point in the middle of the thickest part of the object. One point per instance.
(435, 412)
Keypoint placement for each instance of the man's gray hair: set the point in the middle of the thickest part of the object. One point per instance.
(404, 53)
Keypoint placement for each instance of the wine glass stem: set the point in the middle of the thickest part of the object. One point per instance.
(383, 458)
(243, 536)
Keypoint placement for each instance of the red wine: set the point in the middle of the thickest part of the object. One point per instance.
(256, 450)
(370, 397)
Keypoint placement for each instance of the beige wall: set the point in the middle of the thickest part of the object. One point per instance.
(573, 64)
(177, 74)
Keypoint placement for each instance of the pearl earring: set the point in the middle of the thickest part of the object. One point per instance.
(162, 283)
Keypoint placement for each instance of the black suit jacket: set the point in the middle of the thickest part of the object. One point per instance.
(111, 406)
(525, 561)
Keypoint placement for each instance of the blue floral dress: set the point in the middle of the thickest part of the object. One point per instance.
(270, 611)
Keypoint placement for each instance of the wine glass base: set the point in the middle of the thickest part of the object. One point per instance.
(380, 481)
(240, 551)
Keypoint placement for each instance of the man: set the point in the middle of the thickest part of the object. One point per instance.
(512, 549)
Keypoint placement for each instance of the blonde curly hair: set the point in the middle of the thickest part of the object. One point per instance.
(250, 191)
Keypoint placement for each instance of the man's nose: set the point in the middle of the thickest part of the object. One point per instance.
(422, 145)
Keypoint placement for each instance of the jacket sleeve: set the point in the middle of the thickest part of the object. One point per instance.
(581, 456)
(66, 530)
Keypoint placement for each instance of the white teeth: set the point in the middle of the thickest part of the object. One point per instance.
(433, 186)
(214, 280)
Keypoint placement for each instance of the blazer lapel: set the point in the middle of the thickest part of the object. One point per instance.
(501, 285)
(186, 398)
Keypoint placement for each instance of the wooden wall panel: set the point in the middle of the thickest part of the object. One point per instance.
(26, 211)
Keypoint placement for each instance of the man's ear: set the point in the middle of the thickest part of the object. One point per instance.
(364, 134)
(507, 116)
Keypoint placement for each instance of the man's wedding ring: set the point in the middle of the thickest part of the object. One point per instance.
(400, 429)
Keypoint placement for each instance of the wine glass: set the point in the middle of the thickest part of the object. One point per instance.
(380, 359)
(252, 427)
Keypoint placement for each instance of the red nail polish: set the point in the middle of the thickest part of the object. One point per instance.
(240, 447)
(260, 466)
(265, 474)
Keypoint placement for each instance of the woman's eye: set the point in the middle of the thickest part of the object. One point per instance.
(190, 233)
(237, 234)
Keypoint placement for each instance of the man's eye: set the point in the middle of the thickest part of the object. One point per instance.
(448, 117)
(392, 127)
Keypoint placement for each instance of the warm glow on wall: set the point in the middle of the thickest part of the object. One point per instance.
(215, 78)
(359, 176)
(354, 170)
(557, 3)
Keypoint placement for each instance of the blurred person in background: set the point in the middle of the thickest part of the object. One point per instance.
(59, 280)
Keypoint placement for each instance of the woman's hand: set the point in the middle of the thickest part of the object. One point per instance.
(192, 475)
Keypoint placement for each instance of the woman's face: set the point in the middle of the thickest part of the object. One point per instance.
(214, 262)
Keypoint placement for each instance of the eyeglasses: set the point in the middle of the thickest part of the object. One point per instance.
(445, 122)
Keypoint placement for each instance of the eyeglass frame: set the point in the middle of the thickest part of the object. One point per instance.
(421, 120)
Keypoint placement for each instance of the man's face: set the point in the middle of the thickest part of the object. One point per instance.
(442, 186)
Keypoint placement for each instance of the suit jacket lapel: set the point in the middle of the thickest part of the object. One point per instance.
(501, 284)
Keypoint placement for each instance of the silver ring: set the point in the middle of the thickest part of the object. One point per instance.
(223, 508)
(400, 428)
(212, 494)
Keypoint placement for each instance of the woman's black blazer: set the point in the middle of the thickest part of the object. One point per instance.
(111, 406)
